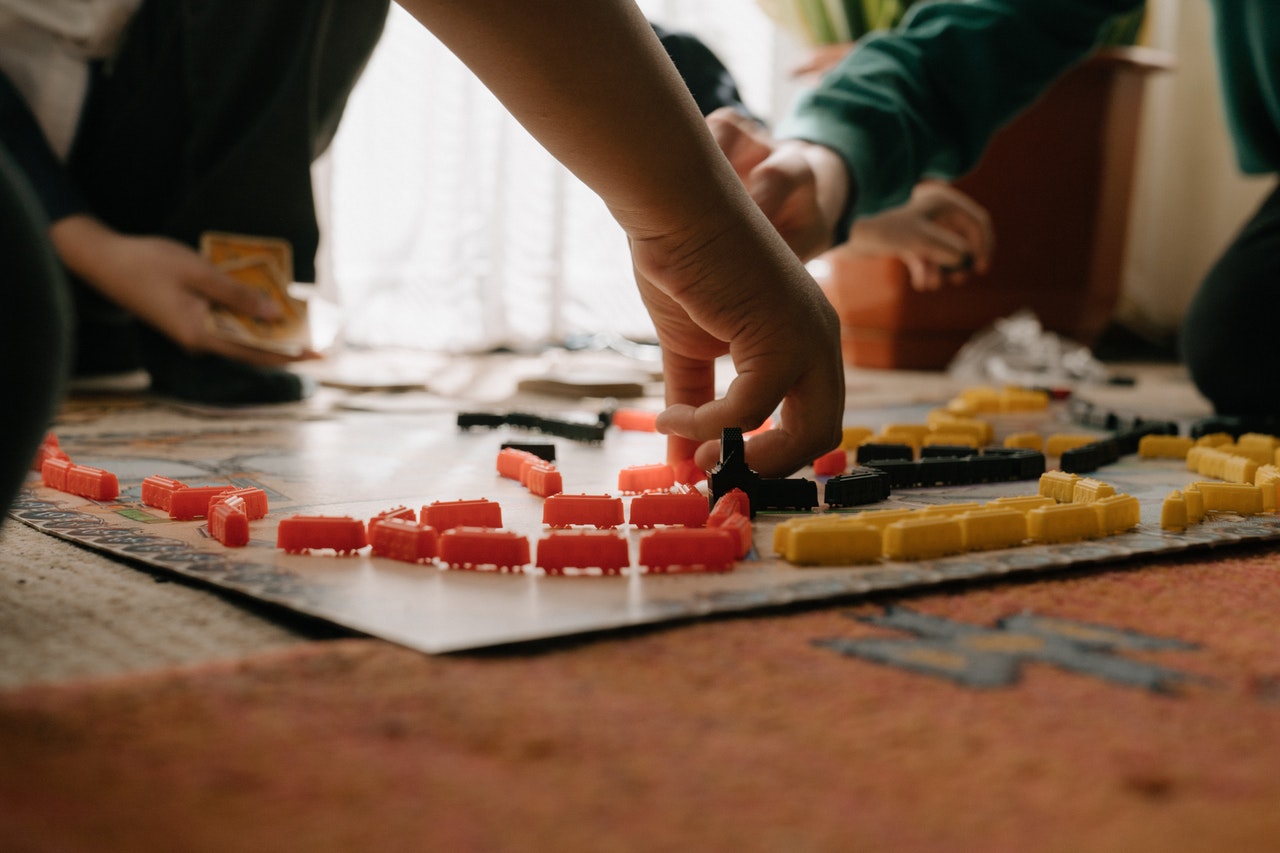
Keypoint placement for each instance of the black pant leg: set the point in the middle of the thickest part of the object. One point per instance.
(210, 116)
(35, 320)
(1230, 332)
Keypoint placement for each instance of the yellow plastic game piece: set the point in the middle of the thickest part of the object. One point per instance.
(1195, 504)
(1267, 478)
(1239, 469)
(1117, 513)
(1063, 523)
(1258, 446)
(980, 398)
(1014, 399)
(1061, 442)
(852, 436)
(1026, 440)
(1087, 490)
(783, 531)
(1214, 439)
(952, 439)
(882, 518)
(942, 420)
(1240, 498)
(1022, 503)
(989, 528)
(1173, 512)
(904, 433)
(940, 510)
(833, 544)
(1058, 485)
(923, 537)
(1164, 446)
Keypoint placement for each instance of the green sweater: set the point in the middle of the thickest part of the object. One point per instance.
(924, 98)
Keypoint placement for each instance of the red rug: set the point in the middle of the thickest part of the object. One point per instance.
(1132, 709)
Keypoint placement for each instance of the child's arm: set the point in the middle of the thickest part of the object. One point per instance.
(589, 79)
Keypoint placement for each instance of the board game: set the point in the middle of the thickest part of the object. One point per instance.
(338, 460)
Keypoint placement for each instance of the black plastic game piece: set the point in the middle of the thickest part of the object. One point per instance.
(762, 493)
(857, 487)
(874, 452)
(541, 449)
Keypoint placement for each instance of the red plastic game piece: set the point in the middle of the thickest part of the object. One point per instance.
(193, 501)
(473, 547)
(635, 420)
(705, 549)
(587, 510)
(831, 464)
(299, 533)
(583, 549)
(92, 483)
(733, 513)
(401, 512)
(544, 480)
(49, 449)
(688, 509)
(511, 460)
(646, 478)
(54, 473)
(229, 522)
(445, 515)
(740, 527)
(731, 502)
(403, 539)
(158, 491)
(255, 501)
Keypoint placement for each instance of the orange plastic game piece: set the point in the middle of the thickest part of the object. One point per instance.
(193, 501)
(474, 547)
(586, 510)
(635, 420)
(832, 463)
(688, 472)
(605, 550)
(49, 449)
(731, 502)
(158, 491)
(401, 512)
(297, 534)
(92, 483)
(544, 481)
(686, 509)
(53, 472)
(704, 549)
(511, 461)
(255, 501)
(646, 478)
(733, 513)
(446, 515)
(229, 523)
(403, 539)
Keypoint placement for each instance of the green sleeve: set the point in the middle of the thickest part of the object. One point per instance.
(924, 98)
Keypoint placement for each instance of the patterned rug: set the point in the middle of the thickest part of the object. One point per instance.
(1133, 708)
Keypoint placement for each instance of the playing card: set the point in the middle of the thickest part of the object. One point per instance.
(265, 265)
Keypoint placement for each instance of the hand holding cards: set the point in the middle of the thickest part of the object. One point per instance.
(264, 265)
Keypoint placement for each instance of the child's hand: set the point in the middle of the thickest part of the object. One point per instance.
(711, 297)
(801, 187)
(942, 235)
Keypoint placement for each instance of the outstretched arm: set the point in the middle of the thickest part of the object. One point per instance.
(590, 81)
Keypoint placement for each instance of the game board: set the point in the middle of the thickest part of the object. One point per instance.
(343, 462)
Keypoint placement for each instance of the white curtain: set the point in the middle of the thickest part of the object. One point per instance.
(447, 227)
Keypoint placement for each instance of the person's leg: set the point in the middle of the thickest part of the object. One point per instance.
(209, 119)
(1228, 336)
(35, 337)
